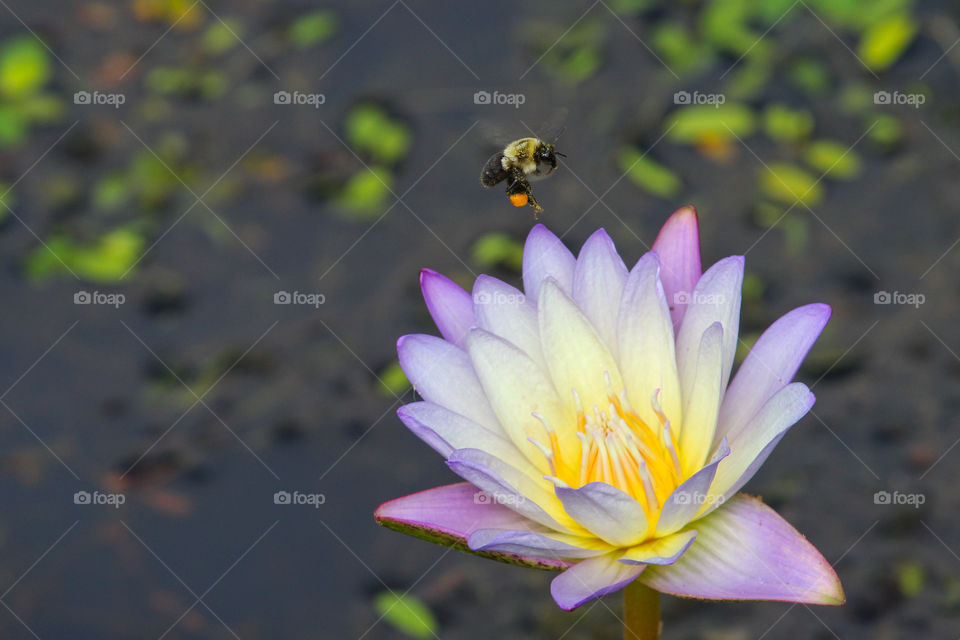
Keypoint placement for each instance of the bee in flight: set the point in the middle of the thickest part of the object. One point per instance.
(520, 161)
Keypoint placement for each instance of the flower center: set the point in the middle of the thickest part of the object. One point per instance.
(619, 449)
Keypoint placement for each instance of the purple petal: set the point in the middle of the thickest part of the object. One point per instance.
(746, 551)
(442, 374)
(450, 306)
(447, 431)
(678, 244)
(751, 447)
(592, 578)
(685, 501)
(544, 255)
(769, 366)
(598, 281)
(448, 515)
(607, 512)
(716, 298)
(531, 543)
(511, 488)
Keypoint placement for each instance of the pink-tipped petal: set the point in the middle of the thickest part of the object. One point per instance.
(450, 306)
(545, 256)
(769, 366)
(678, 244)
(598, 281)
(448, 515)
(443, 374)
(746, 551)
(592, 578)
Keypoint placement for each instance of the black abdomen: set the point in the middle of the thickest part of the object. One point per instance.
(493, 172)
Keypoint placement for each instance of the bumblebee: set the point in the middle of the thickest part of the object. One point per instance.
(520, 161)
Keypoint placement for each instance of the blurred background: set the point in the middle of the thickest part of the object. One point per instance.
(214, 214)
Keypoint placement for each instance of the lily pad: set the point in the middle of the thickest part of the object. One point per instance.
(648, 174)
(365, 194)
(24, 67)
(312, 29)
(884, 42)
(836, 160)
(789, 183)
(107, 260)
(784, 124)
(696, 123)
(498, 249)
(372, 131)
(407, 613)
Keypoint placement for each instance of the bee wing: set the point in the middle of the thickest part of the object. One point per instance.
(555, 125)
(493, 172)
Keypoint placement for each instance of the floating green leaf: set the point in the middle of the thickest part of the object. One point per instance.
(24, 67)
(833, 159)
(13, 126)
(111, 192)
(393, 381)
(789, 183)
(674, 43)
(222, 36)
(107, 260)
(496, 249)
(312, 29)
(810, 75)
(911, 577)
(576, 55)
(648, 174)
(370, 130)
(787, 125)
(407, 613)
(886, 131)
(726, 25)
(366, 192)
(884, 42)
(695, 123)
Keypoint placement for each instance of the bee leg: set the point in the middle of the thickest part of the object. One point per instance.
(533, 203)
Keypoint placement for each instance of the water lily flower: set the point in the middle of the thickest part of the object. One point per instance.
(595, 423)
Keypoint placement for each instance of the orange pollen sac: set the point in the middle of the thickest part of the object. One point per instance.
(518, 199)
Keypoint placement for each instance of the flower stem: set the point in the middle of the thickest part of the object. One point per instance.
(641, 612)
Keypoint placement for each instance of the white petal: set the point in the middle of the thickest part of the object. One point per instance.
(576, 356)
(598, 282)
(716, 298)
(518, 391)
(702, 402)
(545, 256)
(505, 311)
(647, 357)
